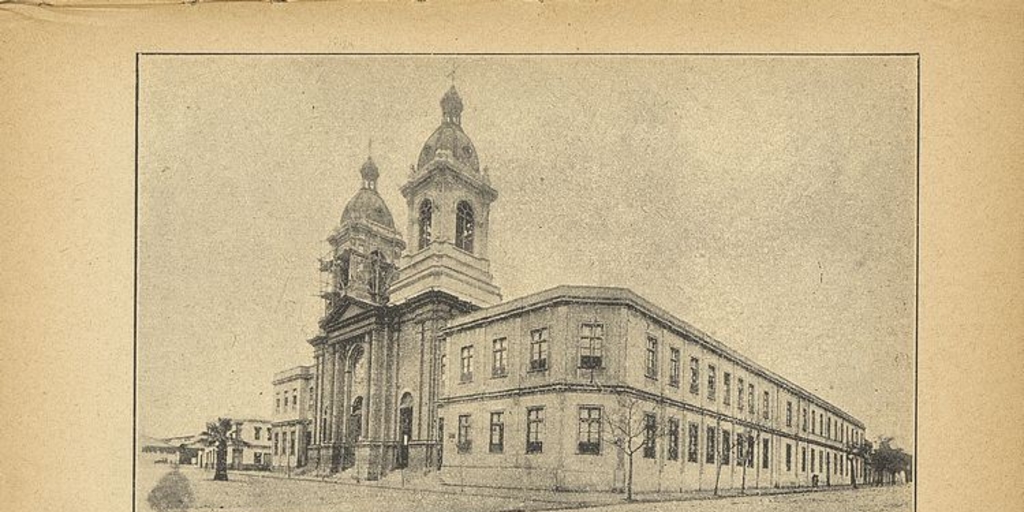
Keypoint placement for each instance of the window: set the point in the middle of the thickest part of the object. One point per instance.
(821, 424)
(828, 427)
(291, 443)
(673, 439)
(498, 358)
(789, 413)
(814, 421)
(464, 443)
(741, 451)
(726, 446)
(286, 400)
(535, 430)
(750, 398)
(821, 460)
(693, 443)
(589, 435)
(277, 402)
(443, 363)
(467, 364)
(277, 446)
(673, 372)
(694, 376)
(497, 444)
(803, 459)
(727, 388)
(828, 461)
(750, 450)
(805, 419)
(739, 395)
(764, 453)
(789, 457)
(258, 458)
(709, 457)
(591, 345)
(257, 432)
(464, 226)
(312, 399)
(426, 221)
(539, 349)
(711, 382)
(767, 406)
(812, 460)
(652, 357)
(650, 430)
(295, 399)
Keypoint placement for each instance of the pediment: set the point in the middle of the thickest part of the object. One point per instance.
(346, 308)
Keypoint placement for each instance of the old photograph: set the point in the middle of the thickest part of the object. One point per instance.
(481, 282)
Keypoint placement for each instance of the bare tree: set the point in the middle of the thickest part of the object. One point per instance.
(633, 429)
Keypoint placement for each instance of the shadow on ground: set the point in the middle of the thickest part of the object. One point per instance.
(172, 492)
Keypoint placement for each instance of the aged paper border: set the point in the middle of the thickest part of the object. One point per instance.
(67, 187)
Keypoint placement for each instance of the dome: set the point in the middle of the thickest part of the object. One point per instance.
(367, 205)
(449, 136)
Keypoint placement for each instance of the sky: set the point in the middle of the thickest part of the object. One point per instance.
(769, 201)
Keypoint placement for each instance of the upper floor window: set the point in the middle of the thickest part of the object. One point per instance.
(805, 419)
(379, 274)
(535, 430)
(767, 406)
(464, 226)
(591, 345)
(814, 422)
(750, 398)
(257, 432)
(652, 357)
(673, 370)
(467, 364)
(739, 393)
(426, 221)
(295, 399)
(498, 358)
(711, 382)
(539, 349)
(589, 436)
(789, 413)
(727, 388)
(694, 375)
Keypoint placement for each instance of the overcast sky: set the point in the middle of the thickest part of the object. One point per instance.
(767, 201)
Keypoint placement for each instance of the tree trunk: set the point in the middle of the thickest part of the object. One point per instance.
(221, 471)
(629, 480)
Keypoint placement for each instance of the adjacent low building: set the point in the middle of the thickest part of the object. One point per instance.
(293, 409)
(249, 446)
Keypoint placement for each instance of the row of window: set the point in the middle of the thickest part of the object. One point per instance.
(464, 225)
(291, 399)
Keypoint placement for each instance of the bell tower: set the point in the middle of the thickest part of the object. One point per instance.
(449, 199)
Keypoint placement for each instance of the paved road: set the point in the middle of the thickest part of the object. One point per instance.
(161, 489)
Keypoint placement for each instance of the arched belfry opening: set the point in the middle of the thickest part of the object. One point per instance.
(464, 226)
(426, 223)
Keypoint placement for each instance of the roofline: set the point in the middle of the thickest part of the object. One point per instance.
(626, 297)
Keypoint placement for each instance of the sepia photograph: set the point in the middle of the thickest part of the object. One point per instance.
(523, 282)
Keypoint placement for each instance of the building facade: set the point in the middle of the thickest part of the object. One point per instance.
(292, 418)
(419, 364)
(248, 447)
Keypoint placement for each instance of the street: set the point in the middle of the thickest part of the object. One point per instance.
(162, 488)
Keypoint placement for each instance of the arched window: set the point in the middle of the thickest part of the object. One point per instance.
(378, 274)
(464, 226)
(426, 219)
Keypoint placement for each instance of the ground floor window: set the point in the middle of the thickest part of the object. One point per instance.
(589, 435)
(673, 439)
(693, 443)
(497, 444)
(812, 460)
(712, 439)
(789, 457)
(535, 430)
(650, 430)
(741, 452)
(803, 459)
(726, 446)
(764, 453)
(750, 450)
(464, 442)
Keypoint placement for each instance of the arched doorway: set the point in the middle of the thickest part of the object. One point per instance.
(355, 430)
(404, 430)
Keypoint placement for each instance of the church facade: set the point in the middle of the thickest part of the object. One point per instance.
(419, 364)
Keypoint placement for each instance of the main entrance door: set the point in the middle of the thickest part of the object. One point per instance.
(404, 431)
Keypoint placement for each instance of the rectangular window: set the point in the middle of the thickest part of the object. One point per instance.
(673, 439)
(821, 460)
(805, 419)
(789, 457)
(812, 460)
(694, 376)
(464, 442)
(591, 346)
(750, 450)
(739, 394)
(673, 372)
(499, 357)
(257, 431)
(652, 357)
(467, 364)
(750, 399)
(539, 349)
(497, 444)
(711, 382)
(726, 446)
(712, 439)
(589, 435)
(764, 453)
(277, 402)
(741, 448)
(814, 421)
(295, 399)
(789, 413)
(767, 406)
(535, 430)
(693, 443)
(727, 388)
(277, 444)
(803, 459)
(650, 430)
(286, 400)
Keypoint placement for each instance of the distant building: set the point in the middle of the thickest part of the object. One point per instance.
(292, 423)
(249, 446)
(419, 364)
